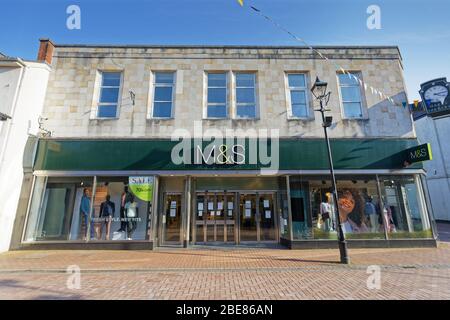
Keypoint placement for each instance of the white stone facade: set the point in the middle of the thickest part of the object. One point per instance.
(73, 89)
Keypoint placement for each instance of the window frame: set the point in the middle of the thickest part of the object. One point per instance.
(119, 96)
(227, 94)
(235, 102)
(154, 85)
(358, 74)
(289, 89)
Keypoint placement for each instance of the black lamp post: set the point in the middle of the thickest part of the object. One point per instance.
(319, 90)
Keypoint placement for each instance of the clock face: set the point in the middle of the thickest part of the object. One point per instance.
(436, 94)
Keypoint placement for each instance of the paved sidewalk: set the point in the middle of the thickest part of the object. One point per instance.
(223, 273)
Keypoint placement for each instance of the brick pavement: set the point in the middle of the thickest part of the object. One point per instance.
(224, 273)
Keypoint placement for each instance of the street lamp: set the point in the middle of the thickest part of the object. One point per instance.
(319, 90)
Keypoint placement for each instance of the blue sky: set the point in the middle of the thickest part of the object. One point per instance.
(420, 28)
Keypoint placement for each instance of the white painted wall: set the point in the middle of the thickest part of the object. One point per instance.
(437, 132)
(23, 87)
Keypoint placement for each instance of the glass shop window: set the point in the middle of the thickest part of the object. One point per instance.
(404, 208)
(302, 220)
(59, 209)
(359, 208)
(314, 212)
(121, 212)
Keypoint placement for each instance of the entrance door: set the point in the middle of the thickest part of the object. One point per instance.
(215, 217)
(248, 217)
(258, 217)
(171, 219)
(268, 221)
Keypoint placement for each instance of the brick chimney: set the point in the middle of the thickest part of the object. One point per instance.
(45, 51)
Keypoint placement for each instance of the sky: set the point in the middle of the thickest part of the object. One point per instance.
(421, 28)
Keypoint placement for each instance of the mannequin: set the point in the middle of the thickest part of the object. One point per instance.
(124, 198)
(371, 212)
(132, 213)
(327, 212)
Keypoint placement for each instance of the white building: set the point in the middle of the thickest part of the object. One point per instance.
(436, 131)
(22, 90)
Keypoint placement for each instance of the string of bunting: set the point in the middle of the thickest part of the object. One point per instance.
(363, 84)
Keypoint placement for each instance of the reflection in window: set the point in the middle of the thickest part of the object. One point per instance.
(298, 95)
(163, 94)
(245, 95)
(118, 213)
(58, 209)
(217, 101)
(109, 95)
(404, 211)
(351, 95)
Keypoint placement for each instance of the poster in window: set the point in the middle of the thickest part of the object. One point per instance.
(220, 205)
(173, 204)
(266, 204)
(268, 214)
(173, 213)
(248, 204)
(248, 213)
(210, 205)
(200, 213)
(230, 205)
(230, 213)
(200, 206)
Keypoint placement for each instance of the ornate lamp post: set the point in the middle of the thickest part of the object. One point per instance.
(319, 90)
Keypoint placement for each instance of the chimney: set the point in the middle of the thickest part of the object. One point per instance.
(45, 50)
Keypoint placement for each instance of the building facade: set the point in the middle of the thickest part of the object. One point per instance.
(433, 128)
(195, 145)
(22, 90)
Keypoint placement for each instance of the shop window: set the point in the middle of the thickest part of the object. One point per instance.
(359, 208)
(57, 210)
(314, 212)
(120, 212)
(245, 95)
(163, 94)
(404, 209)
(298, 95)
(302, 219)
(109, 95)
(60, 209)
(217, 96)
(351, 96)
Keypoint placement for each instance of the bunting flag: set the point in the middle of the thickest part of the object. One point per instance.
(338, 67)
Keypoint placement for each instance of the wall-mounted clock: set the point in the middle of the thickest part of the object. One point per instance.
(436, 96)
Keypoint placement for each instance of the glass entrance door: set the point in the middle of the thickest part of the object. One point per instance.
(171, 219)
(215, 217)
(268, 221)
(248, 217)
(258, 217)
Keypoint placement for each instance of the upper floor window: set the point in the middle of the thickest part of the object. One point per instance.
(163, 94)
(109, 95)
(217, 105)
(351, 95)
(245, 95)
(298, 97)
